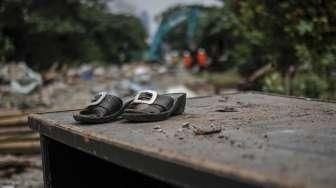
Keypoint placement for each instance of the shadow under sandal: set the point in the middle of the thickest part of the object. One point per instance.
(148, 106)
(103, 108)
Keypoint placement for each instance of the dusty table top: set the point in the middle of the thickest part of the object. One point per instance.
(264, 140)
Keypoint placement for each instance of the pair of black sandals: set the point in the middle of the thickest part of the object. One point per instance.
(146, 106)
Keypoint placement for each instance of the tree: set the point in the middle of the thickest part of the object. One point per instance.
(66, 31)
(296, 37)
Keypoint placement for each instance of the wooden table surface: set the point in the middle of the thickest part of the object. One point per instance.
(265, 140)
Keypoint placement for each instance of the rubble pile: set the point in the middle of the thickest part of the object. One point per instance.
(71, 87)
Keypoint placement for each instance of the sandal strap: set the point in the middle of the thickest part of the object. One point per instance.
(110, 103)
(162, 103)
(107, 105)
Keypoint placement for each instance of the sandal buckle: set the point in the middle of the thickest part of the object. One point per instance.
(98, 98)
(147, 101)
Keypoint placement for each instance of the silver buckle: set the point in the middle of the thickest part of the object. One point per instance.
(95, 101)
(149, 101)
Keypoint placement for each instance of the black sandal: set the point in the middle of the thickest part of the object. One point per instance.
(149, 106)
(103, 108)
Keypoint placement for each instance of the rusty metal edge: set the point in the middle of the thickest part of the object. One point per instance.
(226, 172)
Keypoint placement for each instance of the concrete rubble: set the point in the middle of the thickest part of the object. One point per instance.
(69, 88)
(19, 78)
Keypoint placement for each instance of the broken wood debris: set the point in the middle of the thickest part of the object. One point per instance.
(21, 147)
(226, 109)
(212, 129)
(10, 165)
(159, 129)
(15, 135)
(185, 125)
(13, 122)
(202, 131)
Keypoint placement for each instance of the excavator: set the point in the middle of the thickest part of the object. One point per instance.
(191, 16)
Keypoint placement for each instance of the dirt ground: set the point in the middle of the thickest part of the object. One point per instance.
(22, 176)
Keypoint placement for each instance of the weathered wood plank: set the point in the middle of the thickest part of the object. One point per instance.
(13, 121)
(266, 140)
(20, 147)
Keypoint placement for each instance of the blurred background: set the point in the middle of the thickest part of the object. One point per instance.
(56, 54)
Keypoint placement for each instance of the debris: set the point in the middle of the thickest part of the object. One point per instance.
(206, 130)
(162, 131)
(22, 176)
(86, 72)
(221, 136)
(299, 115)
(240, 145)
(185, 125)
(260, 72)
(72, 72)
(10, 165)
(179, 136)
(329, 111)
(15, 135)
(246, 105)
(100, 71)
(223, 99)
(226, 109)
(181, 89)
(11, 161)
(20, 77)
(162, 70)
(248, 156)
(51, 75)
(142, 74)
(13, 121)
(158, 129)
(126, 87)
(22, 147)
(203, 130)
(8, 186)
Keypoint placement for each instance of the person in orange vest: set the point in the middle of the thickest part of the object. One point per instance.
(202, 59)
(187, 60)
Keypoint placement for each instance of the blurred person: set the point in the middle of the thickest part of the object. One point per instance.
(187, 60)
(202, 59)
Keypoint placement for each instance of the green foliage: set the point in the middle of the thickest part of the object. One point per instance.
(297, 37)
(294, 33)
(223, 79)
(66, 31)
(274, 83)
(309, 84)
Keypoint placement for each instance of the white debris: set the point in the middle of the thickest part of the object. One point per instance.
(22, 79)
(181, 89)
